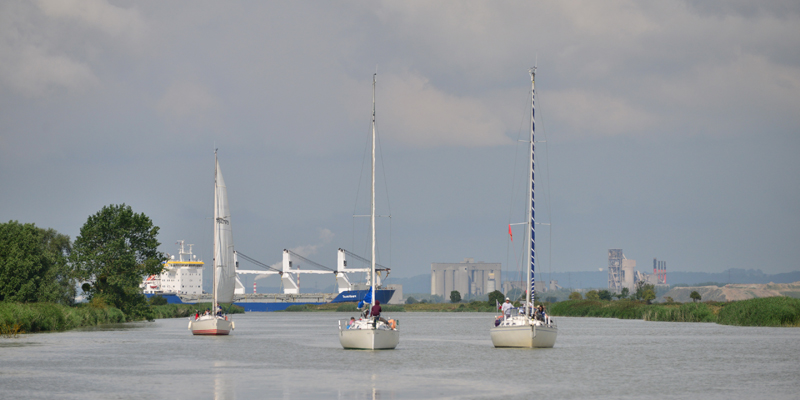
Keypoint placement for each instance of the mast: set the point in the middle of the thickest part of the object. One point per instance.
(216, 234)
(532, 211)
(372, 214)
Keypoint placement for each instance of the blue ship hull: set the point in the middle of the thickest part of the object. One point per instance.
(350, 296)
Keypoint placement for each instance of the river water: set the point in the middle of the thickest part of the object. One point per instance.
(440, 356)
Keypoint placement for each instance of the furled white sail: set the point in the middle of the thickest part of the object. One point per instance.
(224, 265)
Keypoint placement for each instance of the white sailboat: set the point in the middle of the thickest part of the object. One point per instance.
(527, 330)
(372, 333)
(215, 323)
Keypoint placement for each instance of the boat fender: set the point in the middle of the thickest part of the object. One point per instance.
(393, 324)
(233, 325)
(190, 325)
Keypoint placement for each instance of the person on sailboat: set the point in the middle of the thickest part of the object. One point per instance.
(507, 307)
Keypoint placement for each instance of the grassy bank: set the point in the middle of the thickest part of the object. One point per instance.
(771, 311)
(16, 318)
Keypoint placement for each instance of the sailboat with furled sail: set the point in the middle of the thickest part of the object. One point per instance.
(215, 322)
(374, 333)
(530, 329)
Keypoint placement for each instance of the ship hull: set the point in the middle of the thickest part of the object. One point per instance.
(524, 336)
(209, 325)
(280, 302)
(369, 339)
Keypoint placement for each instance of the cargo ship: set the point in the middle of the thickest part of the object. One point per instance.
(182, 280)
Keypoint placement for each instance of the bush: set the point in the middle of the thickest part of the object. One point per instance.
(347, 307)
(157, 300)
(298, 307)
(411, 300)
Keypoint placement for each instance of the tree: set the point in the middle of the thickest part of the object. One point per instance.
(592, 295)
(455, 296)
(575, 296)
(114, 250)
(604, 294)
(411, 300)
(551, 299)
(496, 298)
(642, 288)
(695, 296)
(649, 295)
(33, 265)
(625, 293)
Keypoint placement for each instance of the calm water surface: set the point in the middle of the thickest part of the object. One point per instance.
(440, 356)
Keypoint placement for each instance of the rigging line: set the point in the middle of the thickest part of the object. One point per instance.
(259, 263)
(359, 258)
(386, 188)
(360, 178)
(514, 181)
(547, 194)
(308, 261)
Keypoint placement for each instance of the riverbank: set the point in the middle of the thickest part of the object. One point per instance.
(771, 311)
(474, 306)
(18, 318)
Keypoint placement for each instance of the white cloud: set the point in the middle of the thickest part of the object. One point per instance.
(590, 114)
(412, 111)
(98, 14)
(186, 99)
(33, 72)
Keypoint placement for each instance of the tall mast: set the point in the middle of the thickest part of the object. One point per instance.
(532, 210)
(216, 235)
(372, 215)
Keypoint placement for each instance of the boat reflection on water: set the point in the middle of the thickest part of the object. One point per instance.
(223, 386)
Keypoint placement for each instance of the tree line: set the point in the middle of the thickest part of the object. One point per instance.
(113, 251)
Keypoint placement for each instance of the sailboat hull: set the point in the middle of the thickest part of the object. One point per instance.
(369, 339)
(524, 336)
(211, 326)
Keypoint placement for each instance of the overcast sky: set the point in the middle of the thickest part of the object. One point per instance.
(672, 127)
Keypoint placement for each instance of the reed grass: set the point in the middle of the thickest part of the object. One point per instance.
(17, 318)
(768, 311)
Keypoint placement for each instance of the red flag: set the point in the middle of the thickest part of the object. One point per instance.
(509, 233)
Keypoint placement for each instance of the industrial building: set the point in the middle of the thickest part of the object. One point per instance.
(621, 274)
(620, 271)
(469, 278)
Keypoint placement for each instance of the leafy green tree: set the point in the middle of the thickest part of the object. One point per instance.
(624, 293)
(411, 300)
(158, 300)
(669, 299)
(695, 296)
(592, 295)
(648, 295)
(575, 296)
(455, 296)
(604, 295)
(551, 299)
(642, 288)
(114, 250)
(33, 265)
(496, 298)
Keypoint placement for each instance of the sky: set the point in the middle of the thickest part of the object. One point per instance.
(671, 129)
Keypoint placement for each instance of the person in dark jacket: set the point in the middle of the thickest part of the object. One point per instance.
(375, 313)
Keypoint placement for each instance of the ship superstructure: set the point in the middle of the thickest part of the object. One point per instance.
(181, 276)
